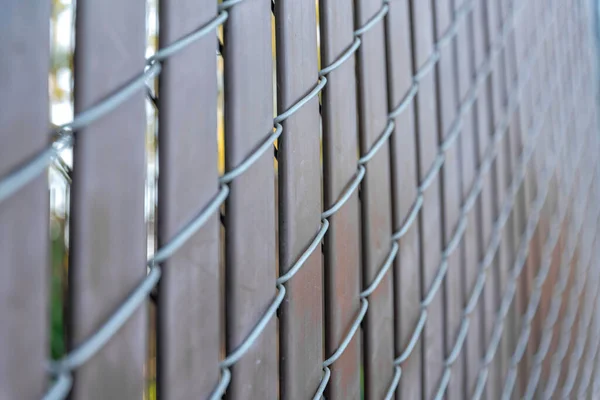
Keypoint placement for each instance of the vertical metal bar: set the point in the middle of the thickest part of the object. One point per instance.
(430, 216)
(250, 208)
(404, 192)
(342, 242)
(107, 235)
(189, 322)
(376, 202)
(24, 296)
(301, 316)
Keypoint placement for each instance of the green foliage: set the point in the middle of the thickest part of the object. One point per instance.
(151, 390)
(58, 274)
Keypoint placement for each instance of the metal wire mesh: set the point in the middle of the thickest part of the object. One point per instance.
(580, 234)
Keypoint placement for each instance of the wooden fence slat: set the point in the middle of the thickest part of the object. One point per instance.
(446, 75)
(567, 153)
(189, 322)
(431, 249)
(107, 234)
(404, 192)
(376, 203)
(465, 75)
(407, 270)
(250, 208)
(301, 316)
(490, 298)
(577, 123)
(569, 229)
(519, 222)
(212, 294)
(529, 111)
(588, 160)
(504, 255)
(429, 218)
(549, 209)
(24, 336)
(342, 242)
(516, 224)
(448, 100)
(471, 243)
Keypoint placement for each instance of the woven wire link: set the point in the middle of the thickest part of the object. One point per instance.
(494, 245)
(535, 296)
(10, 184)
(556, 302)
(591, 354)
(489, 157)
(498, 326)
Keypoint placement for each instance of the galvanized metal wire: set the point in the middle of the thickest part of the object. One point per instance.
(489, 156)
(65, 134)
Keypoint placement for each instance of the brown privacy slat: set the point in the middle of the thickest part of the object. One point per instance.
(457, 388)
(544, 145)
(516, 225)
(376, 203)
(568, 152)
(503, 259)
(451, 191)
(468, 140)
(464, 68)
(107, 234)
(188, 294)
(430, 215)
(490, 298)
(301, 316)
(407, 271)
(404, 192)
(529, 109)
(568, 229)
(24, 216)
(107, 225)
(520, 220)
(445, 71)
(250, 208)
(342, 242)
(576, 125)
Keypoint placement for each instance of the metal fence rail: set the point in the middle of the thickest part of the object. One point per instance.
(426, 227)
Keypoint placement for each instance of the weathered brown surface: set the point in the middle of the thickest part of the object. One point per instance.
(404, 191)
(189, 321)
(24, 215)
(250, 208)
(301, 317)
(108, 235)
(448, 102)
(376, 203)
(342, 242)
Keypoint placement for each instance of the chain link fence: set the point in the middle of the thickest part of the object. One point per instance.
(418, 219)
